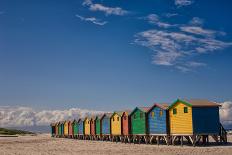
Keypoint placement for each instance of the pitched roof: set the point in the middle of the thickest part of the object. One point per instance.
(107, 115)
(144, 109)
(160, 105)
(118, 112)
(196, 103)
(202, 103)
(127, 112)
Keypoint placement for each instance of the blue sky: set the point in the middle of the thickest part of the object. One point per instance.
(108, 55)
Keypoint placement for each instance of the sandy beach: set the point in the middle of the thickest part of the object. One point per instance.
(43, 145)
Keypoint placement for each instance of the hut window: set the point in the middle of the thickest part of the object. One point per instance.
(117, 118)
(174, 111)
(152, 114)
(161, 112)
(124, 117)
(185, 109)
(141, 115)
(113, 119)
(134, 116)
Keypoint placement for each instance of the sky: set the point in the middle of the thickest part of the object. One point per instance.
(111, 55)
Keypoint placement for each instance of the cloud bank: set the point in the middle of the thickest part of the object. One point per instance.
(25, 116)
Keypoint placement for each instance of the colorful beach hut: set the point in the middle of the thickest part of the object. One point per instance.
(92, 126)
(70, 129)
(57, 128)
(87, 126)
(53, 129)
(194, 117)
(116, 123)
(66, 128)
(158, 119)
(139, 121)
(62, 128)
(80, 127)
(105, 124)
(98, 125)
(126, 123)
(75, 128)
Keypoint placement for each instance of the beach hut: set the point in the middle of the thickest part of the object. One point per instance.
(116, 123)
(158, 119)
(87, 127)
(53, 131)
(66, 128)
(70, 129)
(158, 125)
(126, 123)
(105, 126)
(194, 118)
(92, 127)
(57, 129)
(80, 128)
(75, 128)
(138, 121)
(98, 126)
(62, 128)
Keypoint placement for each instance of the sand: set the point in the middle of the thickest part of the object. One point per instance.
(43, 145)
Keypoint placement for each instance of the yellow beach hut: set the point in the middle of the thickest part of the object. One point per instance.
(66, 128)
(116, 123)
(86, 126)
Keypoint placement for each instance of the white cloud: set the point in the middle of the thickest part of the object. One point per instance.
(196, 21)
(199, 31)
(154, 19)
(92, 20)
(181, 3)
(174, 48)
(24, 116)
(226, 113)
(169, 15)
(107, 10)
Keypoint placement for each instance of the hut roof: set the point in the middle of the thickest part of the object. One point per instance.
(127, 112)
(118, 112)
(108, 115)
(160, 105)
(196, 103)
(144, 109)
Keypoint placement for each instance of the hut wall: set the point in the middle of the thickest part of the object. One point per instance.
(66, 128)
(60, 129)
(138, 122)
(57, 129)
(206, 120)
(81, 127)
(92, 127)
(157, 121)
(75, 128)
(98, 126)
(87, 127)
(70, 129)
(106, 125)
(125, 124)
(116, 124)
(180, 123)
